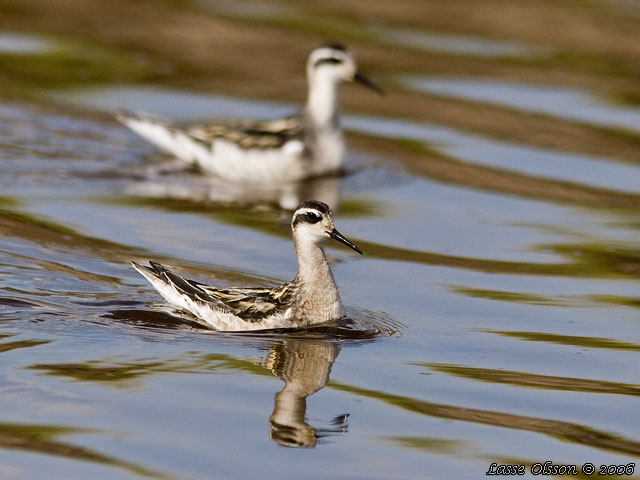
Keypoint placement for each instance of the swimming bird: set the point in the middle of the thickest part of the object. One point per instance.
(305, 145)
(310, 298)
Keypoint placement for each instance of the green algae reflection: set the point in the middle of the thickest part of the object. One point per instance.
(126, 372)
(532, 380)
(565, 431)
(44, 439)
(570, 340)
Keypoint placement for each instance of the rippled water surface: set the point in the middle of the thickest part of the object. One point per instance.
(562, 102)
(493, 317)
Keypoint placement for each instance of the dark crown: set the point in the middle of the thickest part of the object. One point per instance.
(335, 46)
(321, 207)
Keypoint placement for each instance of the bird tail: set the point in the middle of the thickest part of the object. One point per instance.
(152, 274)
(161, 134)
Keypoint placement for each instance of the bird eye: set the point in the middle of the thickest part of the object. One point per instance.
(313, 217)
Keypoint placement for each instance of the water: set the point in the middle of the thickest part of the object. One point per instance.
(179, 105)
(22, 44)
(431, 41)
(494, 315)
(572, 103)
(455, 44)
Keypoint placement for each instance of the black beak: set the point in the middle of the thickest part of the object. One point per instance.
(336, 235)
(362, 80)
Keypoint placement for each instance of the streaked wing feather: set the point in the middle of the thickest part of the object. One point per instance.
(194, 290)
(254, 304)
(189, 288)
(249, 304)
(250, 135)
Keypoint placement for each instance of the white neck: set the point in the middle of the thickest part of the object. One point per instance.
(312, 263)
(323, 102)
(318, 290)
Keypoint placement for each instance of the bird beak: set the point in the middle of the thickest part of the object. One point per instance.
(336, 235)
(362, 80)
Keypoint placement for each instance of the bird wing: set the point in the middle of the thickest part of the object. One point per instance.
(249, 304)
(250, 134)
(253, 304)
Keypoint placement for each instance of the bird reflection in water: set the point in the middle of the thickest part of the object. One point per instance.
(305, 366)
(165, 182)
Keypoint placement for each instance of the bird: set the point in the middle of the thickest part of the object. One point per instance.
(311, 298)
(306, 145)
(304, 365)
